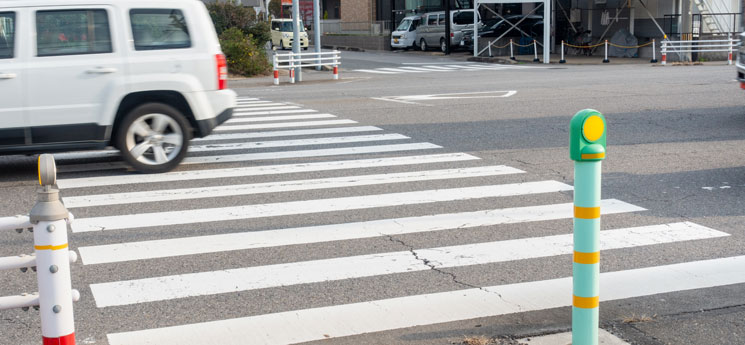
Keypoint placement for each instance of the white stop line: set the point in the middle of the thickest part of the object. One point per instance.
(412, 99)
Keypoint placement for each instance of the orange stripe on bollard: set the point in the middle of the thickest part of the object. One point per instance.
(593, 155)
(50, 247)
(586, 302)
(586, 212)
(586, 258)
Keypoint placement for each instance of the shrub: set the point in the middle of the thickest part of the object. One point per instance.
(228, 15)
(245, 57)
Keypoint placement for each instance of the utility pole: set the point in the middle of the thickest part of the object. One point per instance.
(447, 27)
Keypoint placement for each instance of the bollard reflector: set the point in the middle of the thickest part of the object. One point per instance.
(47, 170)
(593, 128)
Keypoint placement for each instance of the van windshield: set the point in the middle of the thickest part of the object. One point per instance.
(404, 26)
(287, 26)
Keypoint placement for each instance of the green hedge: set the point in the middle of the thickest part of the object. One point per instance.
(242, 37)
(243, 55)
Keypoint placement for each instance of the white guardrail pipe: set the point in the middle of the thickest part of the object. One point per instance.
(27, 300)
(25, 261)
(293, 61)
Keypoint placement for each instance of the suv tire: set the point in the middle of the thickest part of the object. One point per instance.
(153, 137)
(443, 45)
(423, 45)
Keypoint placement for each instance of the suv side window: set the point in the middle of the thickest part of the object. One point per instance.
(159, 29)
(441, 20)
(71, 32)
(7, 34)
(414, 24)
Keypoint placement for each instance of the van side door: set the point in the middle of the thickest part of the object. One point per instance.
(13, 121)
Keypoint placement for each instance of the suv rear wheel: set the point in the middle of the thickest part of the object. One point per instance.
(443, 45)
(153, 137)
(423, 45)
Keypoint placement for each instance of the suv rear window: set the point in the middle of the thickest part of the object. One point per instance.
(7, 34)
(70, 32)
(159, 29)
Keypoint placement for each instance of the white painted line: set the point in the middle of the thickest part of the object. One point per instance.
(283, 125)
(277, 118)
(253, 102)
(316, 271)
(239, 99)
(446, 96)
(432, 63)
(373, 71)
(398, 70)
(288, 133)
(334, 232)
(286, 107)
(307, 325)
(283, 186)
(422, 69)
(261, 104)
(309, 153)
(155, 219)
(474, 67)
(442, 68)
(398, 101)
(273, 112)
(261, 170)
(297, 142)
(240, 146)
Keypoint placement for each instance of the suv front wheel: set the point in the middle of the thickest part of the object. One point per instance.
(153, 137)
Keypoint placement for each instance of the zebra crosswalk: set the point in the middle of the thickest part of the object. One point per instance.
(358, 183)
(466, 67)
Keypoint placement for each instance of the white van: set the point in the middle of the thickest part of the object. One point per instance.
(144, 76)
(431, 32)
(282, 33)
(405, 34)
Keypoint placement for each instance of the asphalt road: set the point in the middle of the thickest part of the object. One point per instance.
(674, 164)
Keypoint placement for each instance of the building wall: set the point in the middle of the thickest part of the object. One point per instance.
(355, 11)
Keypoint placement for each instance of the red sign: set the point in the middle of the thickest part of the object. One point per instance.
(286, 2)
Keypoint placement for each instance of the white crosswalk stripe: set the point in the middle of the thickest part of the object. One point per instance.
(142, 220)
(375, 186)
(261, 277)
(443, 68)
(305, 325)
(278, 118)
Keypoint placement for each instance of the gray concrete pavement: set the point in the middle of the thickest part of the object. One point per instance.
(673, 142)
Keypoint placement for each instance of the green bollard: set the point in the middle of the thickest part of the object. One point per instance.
(587, 150)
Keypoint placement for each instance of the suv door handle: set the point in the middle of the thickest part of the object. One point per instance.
(7, 75)
(101, 70)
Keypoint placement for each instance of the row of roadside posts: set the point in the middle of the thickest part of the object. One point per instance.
(667, 47)
(49, 221)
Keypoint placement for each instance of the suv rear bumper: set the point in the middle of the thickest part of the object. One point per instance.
(207, 125)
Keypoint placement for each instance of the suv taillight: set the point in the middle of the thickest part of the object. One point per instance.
(222, 71)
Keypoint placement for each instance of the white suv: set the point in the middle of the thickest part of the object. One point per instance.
(142, 76)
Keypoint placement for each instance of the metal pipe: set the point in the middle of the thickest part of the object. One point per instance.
(296, 35)
(17, 223)
(512, 53)
(654, 52)
(535, 52)
(26, 260)
(317, 28)
(562, 53)
(606, 53)
(27, 300)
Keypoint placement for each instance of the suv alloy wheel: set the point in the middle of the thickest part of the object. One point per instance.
(153, 137)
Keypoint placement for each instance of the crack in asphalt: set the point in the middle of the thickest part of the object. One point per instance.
(452, 276)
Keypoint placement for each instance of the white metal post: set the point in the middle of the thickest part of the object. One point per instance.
(562, 53)
(292, 68)
(606, 53)
(547, 25)
(276, 69)
(664, 52)
(475, 28)
(52, 259)
(535, 52)
(654, 52)
(729, 55)
(512, 53)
